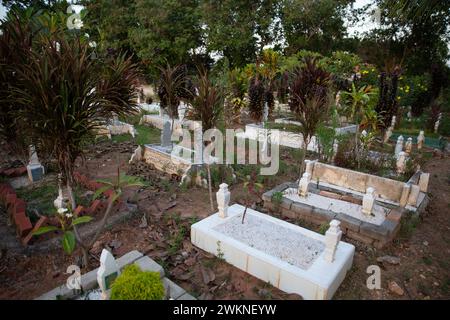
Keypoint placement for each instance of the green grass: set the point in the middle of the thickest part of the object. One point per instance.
(146, 135)
(40, 198)
(283, 126)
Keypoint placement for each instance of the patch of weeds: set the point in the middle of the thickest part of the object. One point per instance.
(424, 289)
(165, 184)
(408, 224)
(445, 287)
(427, 260)
(323, 228)
(40, 197)
(177, 240)
(277, 199)
(194, 220)
(163, 264)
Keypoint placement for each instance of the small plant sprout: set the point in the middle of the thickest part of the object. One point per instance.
(67, 221)
(251, 186)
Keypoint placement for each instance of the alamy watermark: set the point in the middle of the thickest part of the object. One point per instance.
(214, 147)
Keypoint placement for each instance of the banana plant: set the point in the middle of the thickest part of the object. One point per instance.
(359, 99)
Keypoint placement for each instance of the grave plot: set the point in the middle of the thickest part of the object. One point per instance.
(291, 258)
(287, 138)
(116, 127)
(369, 207)
(174, 160)
(96, 284)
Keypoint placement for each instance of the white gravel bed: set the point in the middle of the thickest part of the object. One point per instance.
(275, 240)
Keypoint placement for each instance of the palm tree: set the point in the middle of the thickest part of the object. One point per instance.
(64, 95)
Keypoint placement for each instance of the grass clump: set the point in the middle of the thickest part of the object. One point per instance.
(135, 284)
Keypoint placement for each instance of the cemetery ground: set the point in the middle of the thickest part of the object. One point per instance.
(421, 267)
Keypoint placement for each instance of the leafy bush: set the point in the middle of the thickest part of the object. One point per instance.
(135, 284)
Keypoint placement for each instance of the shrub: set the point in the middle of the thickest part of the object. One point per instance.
(135, 284)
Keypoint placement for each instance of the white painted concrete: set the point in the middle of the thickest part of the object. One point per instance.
(317, 281)
(339, 206)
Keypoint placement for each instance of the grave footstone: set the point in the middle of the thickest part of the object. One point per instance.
(409, 145)
(332, 238)
(399, 146)
(107, 273)
(368, 201)
(401, 162)
(223, 200)
(420, 140)
(303, 185)
(35, 169)
(166, 135)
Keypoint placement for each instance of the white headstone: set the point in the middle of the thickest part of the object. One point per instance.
(182, 111)
(335, 150)
(424, 181)
(266, 112)
(364, 133)
(409, 145)
(137, 155)
(414, 195)
(223, 200)
(401, 162)
(436, 126)
(421, 140)
(368, 201)
(332, 238)
(303, 185)
(166, 135)
(107, 273)
(61, 201)
(399, 146)
(34, 168)
(387, 135)
(309, 167)
(393, 122)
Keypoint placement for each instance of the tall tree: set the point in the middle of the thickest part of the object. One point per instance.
(108, 23)
(240, 29)
(166, 31)
(317, 25)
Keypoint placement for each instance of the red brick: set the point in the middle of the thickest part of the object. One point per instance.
(10, 201)
(79, 211)
(108, 193)
(95, 185)
(41, 222)
(9, 172)
(21, 171)
(23, 224)
(94, 206)
(20, 206)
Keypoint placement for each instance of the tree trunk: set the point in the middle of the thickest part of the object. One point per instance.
(302, 159)
(84, 249)
(103, 222)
